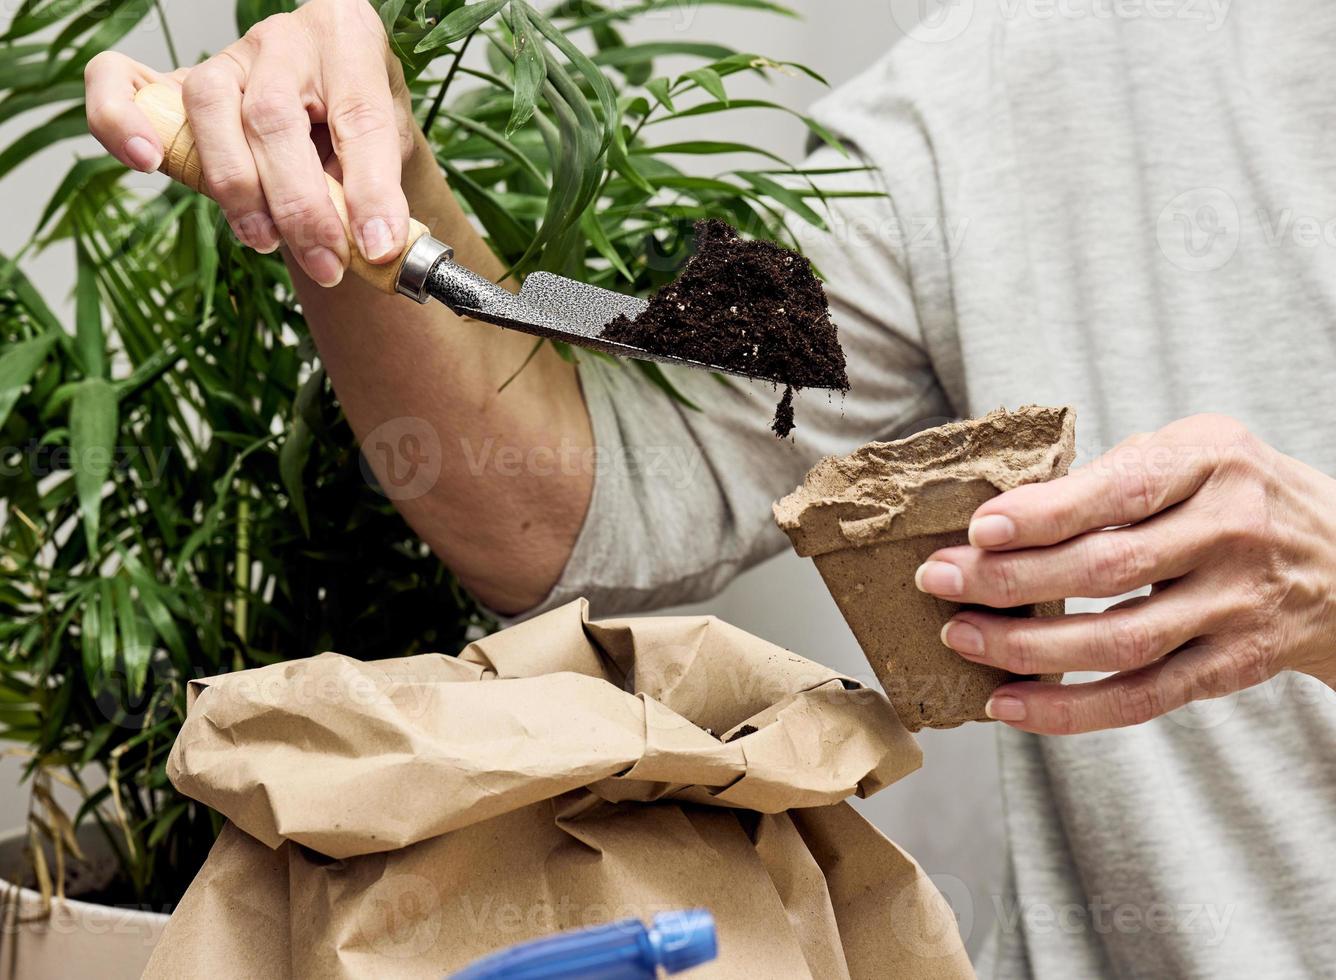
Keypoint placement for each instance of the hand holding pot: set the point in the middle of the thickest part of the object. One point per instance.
(301, 93)
(1237, 540)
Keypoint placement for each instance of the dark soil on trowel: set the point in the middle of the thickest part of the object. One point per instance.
(753, 307)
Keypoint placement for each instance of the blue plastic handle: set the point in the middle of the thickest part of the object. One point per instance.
(625, 950)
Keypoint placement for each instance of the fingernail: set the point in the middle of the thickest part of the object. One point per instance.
(963, 638)
(1005, 707)
(323, 266)
(377, 239)
(257, 231)
(991, 531)
(143, 154)
(939, 578)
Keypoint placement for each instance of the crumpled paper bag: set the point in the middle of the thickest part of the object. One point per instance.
(401, 818)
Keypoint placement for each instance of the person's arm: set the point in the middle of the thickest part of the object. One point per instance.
(461, 459)
(468, 465)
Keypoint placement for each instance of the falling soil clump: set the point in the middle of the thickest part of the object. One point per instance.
(783, 423)
(753, 307)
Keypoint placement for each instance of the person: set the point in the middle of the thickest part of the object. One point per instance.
(1125, 209)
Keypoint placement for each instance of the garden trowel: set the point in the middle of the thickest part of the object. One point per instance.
(548, 306)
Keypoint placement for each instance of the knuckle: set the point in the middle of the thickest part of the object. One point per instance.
(203, 90)
(1246, 523)
(230, 184)
(1019, 651)
(100, 118)
(1223, 426)
(268, 115)
(1132, 489)
(1062, 717)
(1136, 704)
(268, 30)
(1130, 644)
(103, 61)
(1005, 584)
(358, 117)
(407, 141)
(1233, 443)
(1116, 562)
(296, 215)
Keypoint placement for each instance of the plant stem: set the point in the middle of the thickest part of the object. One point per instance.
(242, 577)
(167, 34)
(436, 104)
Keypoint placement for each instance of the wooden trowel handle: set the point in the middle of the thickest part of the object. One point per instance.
(180, 161)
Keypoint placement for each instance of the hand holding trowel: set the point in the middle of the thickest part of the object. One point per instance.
(548, 306)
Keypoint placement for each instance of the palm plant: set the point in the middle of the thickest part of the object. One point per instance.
(181, 494)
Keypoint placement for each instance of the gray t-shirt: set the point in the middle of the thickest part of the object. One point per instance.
(1125, 206)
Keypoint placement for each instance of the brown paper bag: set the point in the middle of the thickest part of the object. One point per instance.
(402, 818)
(869, 519)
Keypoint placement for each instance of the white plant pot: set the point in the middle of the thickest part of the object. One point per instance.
(79, 939)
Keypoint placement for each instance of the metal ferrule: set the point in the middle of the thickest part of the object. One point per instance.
(421, 259)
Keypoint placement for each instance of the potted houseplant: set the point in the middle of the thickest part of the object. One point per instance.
(181, 495)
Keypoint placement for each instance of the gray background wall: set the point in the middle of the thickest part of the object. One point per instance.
(947, 813)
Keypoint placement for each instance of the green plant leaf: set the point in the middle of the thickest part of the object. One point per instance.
(589, 223)
(459, 23)
(20, 102)
(708, 79)
(296, 449)
(69, 123)
(507, 234)
(661, 89)
(89, 342)
(106, 632)
(90, 635)
(816, 128)
(636, 53)
(697, 147)
(791, 199)
(134, 646)
(530, 71)
(654, 373)
(589, 72)
(18, 363)
(93, 427)
(251, 12)
(78, 177)
(163, 825)
(503, 145)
